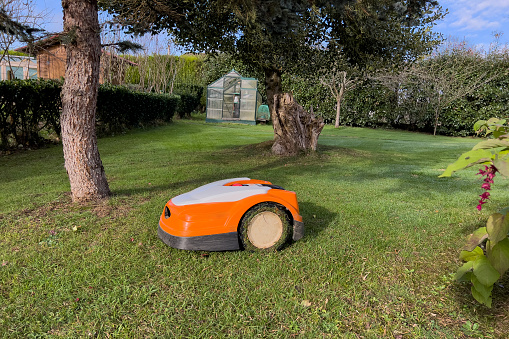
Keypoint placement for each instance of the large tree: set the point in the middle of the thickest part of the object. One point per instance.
(79, 101)
(288, 36)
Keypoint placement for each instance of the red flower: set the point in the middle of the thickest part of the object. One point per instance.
(489, 173)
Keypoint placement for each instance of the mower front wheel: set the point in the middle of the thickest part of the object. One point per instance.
(265, 227)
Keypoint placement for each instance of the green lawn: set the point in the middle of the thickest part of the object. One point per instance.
(383, 236)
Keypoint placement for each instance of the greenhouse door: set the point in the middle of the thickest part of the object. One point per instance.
(231, 100)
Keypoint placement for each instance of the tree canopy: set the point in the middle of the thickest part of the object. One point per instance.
(277, 34)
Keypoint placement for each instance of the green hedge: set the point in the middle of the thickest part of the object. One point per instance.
(119, 108)
(30, 110)
(373, 105)
(26, 108)
(190, 99)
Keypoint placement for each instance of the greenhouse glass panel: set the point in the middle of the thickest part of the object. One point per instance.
(215, 93)
(215, 104)
(246, 115)
(248, 104)
(233, 97)
(248, 95)
(32, 73)
(249, 83)
(17, 72)
(218, 83)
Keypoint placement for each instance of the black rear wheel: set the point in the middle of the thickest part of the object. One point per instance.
(265, 227)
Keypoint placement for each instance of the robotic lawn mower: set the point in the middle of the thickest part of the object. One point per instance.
(232, 214)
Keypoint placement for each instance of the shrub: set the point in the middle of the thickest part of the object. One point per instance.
(27, 107)
(190, 99)
(119, 108)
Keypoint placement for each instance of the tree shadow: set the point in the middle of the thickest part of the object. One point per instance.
(316, 218)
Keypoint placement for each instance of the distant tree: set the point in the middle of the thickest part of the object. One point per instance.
(453, 72)
(18, 22)
(339, 82)
(278, 37)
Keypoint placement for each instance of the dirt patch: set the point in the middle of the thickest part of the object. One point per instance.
(64, 206)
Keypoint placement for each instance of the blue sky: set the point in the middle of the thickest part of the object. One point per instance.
(473, 20)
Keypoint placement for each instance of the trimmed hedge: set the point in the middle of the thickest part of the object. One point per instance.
(119, 108)
(26, 108)
(190, 99)
(29, 107)
(373, 105)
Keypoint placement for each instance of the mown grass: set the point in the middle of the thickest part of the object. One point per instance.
(383, 234)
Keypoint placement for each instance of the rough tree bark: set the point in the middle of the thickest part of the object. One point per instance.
(295, 130)
(79, 101)
(273, 85)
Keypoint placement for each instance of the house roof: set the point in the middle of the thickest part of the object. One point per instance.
(40, 45)
(54, 40)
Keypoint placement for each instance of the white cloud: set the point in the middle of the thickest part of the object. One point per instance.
(477, 16)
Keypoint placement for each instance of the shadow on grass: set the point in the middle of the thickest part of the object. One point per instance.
(336, 164)
(316, 218)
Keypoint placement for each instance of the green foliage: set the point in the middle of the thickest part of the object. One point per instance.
(492, 151)
(488, 260)
(190, 99)
(26, 108)
(487, 249)
(13, 53)
(30, 110)
(10, 26)
(281, 36)
(190, 71)
(119, 108)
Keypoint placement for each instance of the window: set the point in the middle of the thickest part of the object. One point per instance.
(32, 73)
(14, 73)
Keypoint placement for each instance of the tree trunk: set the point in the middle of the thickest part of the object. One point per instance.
(437, 115)
(272, 86)
(79, 101)
(338, 105)
(338, 112)
(295, 130)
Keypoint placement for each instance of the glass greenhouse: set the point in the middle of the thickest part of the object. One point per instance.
(233, 98)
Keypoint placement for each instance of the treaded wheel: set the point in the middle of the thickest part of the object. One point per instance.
(265, 227)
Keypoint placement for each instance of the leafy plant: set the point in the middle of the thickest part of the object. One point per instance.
(486, 253)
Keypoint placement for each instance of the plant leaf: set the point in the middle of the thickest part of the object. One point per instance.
(461, 273)
(485, 272)
(479, 297)
(497, 227)
(484, 290)
(467, 159)
(471, 255)
(479, 124)
(491, 143)
(476, 238)
(502, 166)
(499, 256)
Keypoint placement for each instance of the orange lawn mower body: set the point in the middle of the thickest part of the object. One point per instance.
(232, 214)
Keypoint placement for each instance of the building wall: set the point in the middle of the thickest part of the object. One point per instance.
(51, 63)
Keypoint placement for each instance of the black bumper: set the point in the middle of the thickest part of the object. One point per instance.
(214, 242)
(298, 230)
